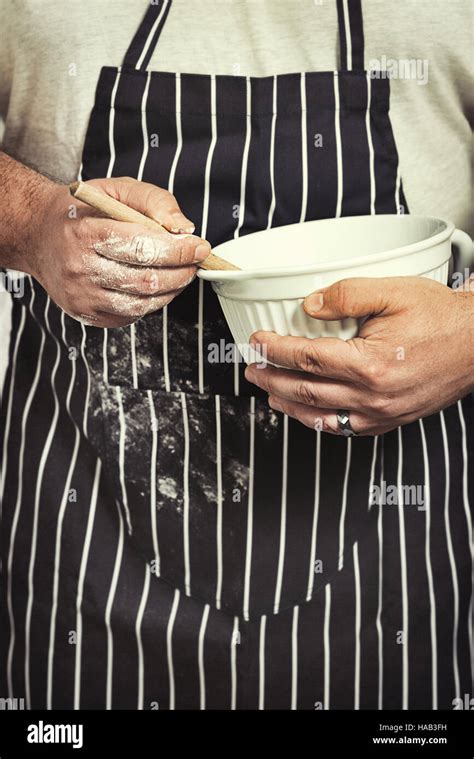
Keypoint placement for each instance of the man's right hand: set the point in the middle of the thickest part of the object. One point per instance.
(103, 272)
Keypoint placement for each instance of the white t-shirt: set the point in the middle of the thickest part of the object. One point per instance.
(51, 52)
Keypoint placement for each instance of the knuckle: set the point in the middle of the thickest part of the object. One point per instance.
(305, 394)
(371, 374)
(383, 405)
(149, 281)
(267, 383)
(79, 229)
(74, 267)
(183, 251)
(160, 196)
(163, 193)
(143, 251)
(340, 294)
(306, 358)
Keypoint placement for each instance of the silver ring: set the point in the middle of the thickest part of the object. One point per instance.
(344, 423)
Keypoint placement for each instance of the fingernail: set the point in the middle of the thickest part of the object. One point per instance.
(202, 251)
(182, 230)
(182, 225)
(314, 303)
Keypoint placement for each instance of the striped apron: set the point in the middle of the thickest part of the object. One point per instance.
(168, 540)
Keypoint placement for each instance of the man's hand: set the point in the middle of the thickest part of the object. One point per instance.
(413, 356)
(104, 272)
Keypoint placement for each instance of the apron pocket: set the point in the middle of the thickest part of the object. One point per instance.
(219, 494)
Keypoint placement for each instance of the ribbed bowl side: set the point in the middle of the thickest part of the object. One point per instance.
(287, 317)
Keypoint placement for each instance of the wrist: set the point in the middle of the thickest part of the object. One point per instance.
(35, 224)
(41, 233)
(465, 299)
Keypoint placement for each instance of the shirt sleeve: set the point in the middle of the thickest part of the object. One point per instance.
(6, 59)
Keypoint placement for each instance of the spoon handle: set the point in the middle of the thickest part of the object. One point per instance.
(114, 209)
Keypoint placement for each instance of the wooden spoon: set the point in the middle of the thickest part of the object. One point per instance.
(114, 209)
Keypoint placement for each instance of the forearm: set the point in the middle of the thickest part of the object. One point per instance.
(466, 327)
(21, 189)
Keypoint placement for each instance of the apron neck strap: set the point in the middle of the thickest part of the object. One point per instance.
(351, 35)
(148, 33)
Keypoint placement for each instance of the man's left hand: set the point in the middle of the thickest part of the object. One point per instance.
(413, 356)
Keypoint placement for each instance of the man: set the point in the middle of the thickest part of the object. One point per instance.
(169, 540)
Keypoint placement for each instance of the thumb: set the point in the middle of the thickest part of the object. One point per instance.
(356, 298)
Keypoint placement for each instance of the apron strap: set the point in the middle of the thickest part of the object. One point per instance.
(146, 38)
(351, 34)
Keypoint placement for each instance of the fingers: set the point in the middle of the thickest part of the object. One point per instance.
(324, 393)
(355, 298)
(323, 357)
(99, 307)
(325, 420)
(302, 388)
(137, 280)
(153, 201)
(133, 244)
(116, 309)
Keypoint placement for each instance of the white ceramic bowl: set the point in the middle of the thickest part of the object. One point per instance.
(280, 266)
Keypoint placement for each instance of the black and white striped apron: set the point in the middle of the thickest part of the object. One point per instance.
(168, 540)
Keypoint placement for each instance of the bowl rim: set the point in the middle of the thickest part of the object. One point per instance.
(213, 275)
